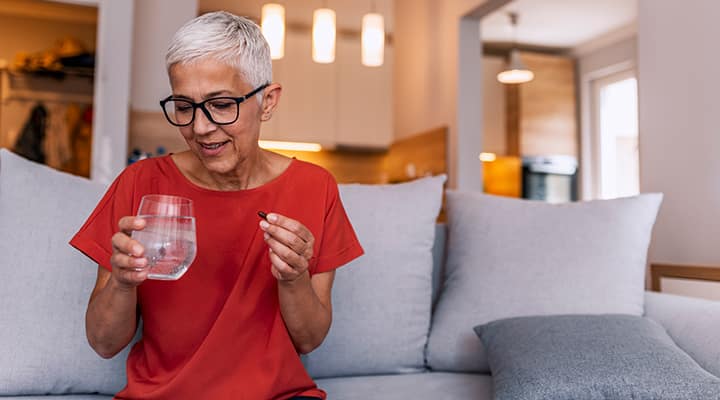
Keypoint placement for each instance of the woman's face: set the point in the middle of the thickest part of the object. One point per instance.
(220, 148)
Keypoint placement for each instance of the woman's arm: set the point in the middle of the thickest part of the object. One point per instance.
(305, 302)
(111, 318)
(306, 309)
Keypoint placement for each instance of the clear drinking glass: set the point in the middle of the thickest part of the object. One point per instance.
(168, 236)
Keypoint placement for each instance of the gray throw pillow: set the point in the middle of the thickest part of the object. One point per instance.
(578, 357)
(513, 258)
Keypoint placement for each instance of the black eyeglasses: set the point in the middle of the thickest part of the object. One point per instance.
(219, 110)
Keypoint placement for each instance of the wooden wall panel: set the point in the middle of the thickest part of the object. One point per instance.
(542, 114)
(418, 155)
(548, 114)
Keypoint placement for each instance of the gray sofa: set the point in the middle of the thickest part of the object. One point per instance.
(392, 308)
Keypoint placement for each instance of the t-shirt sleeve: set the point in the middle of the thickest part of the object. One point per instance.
(94, 239)
(339, 244)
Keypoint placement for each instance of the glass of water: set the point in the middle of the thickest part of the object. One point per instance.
(168, 236)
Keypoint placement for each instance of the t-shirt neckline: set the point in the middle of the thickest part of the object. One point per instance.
(265, 186)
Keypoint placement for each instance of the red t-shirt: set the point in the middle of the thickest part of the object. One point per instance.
(217, 332)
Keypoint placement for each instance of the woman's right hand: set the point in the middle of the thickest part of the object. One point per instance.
(129, 267)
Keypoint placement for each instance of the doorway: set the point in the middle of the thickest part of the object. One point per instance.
(615, 157)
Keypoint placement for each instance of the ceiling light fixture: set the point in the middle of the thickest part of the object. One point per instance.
(273, 28)
(323, 36)
(515, 71)
(373, 39)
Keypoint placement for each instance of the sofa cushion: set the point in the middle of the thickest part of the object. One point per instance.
(382, 300)
(419, 386)
(694, 324)
(46, 284)
(510, 258)
(590, 357)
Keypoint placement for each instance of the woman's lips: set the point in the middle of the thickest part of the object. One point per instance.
(212, 149)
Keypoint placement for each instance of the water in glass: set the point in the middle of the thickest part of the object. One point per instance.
(168, 236)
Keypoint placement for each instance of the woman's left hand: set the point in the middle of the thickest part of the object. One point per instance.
(291, 246)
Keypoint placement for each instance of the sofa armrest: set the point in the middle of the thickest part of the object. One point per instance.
(694, 324)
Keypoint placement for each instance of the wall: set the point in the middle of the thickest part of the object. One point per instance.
(619, 52)
(494, 138)
(679, 130)
(151, 37)
(427, 75)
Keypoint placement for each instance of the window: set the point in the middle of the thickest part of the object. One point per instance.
(615, 136)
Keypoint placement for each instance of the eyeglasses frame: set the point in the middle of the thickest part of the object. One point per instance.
(201, 106)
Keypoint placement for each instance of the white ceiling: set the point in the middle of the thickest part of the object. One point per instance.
(558, 23)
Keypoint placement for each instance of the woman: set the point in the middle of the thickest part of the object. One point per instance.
(258, 292)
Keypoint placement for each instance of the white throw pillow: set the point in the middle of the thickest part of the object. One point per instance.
(511, 258)
(45, 284)
(382, 300)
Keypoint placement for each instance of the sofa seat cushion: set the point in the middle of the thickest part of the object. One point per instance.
(419, 386)
(591, 357)
(382, 300)
(511, 258)
(46, 284)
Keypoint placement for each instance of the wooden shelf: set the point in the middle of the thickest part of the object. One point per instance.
(71, 86)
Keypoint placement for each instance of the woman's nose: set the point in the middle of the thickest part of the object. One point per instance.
(202, 124)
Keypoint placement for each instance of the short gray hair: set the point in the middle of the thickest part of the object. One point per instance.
(228, 38)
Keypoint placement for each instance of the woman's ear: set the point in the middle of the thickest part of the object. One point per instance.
(271, 97)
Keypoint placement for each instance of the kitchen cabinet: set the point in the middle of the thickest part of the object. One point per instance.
(364, 106)
(342, 104)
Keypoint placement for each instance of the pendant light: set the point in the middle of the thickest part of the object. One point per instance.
(323, 36)
(515, 71)
(373, 39)
(273, 28)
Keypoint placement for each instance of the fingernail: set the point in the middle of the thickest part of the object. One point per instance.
(272, 217)
(264, 224)
(266, 236)
(140, 262)
(137, 250)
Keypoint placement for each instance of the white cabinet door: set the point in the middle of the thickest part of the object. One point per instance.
(364, 98)
(307, 108)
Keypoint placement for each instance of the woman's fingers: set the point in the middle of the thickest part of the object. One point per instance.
(281, 270)
(289, 232)
(129, 267)
(285, 254)
(129, 224)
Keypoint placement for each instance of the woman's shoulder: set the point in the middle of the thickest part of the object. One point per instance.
(144, 168)
(299, 169)
(310, 170)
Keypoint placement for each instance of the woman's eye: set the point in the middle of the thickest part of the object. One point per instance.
(221, 104)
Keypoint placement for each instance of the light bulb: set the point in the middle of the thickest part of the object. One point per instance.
(373, 40)
(273, 28)
(323, 36)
